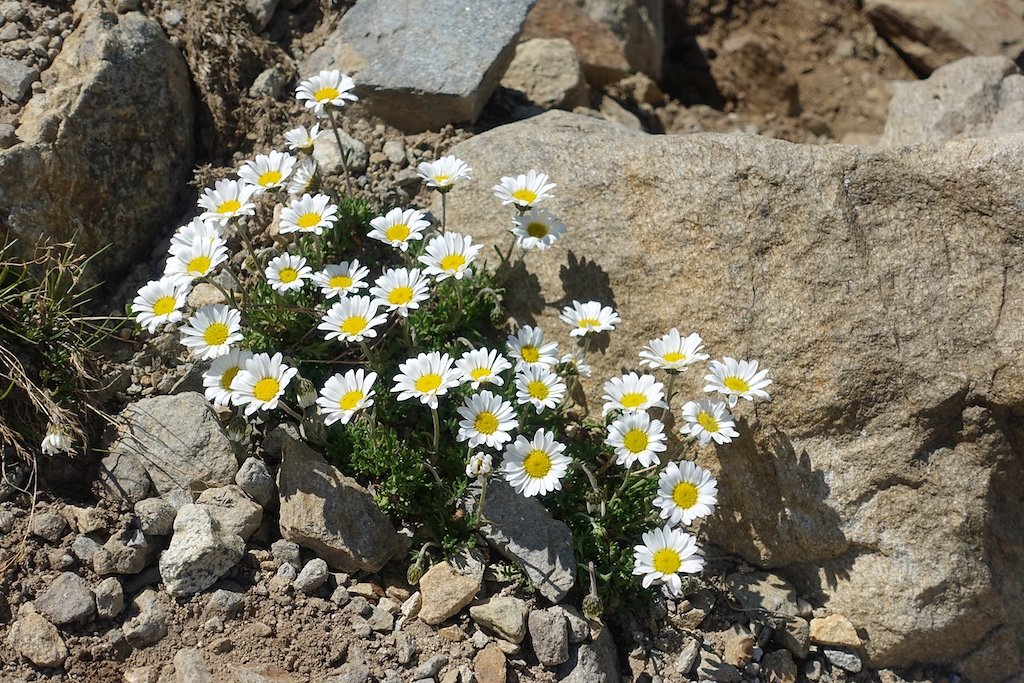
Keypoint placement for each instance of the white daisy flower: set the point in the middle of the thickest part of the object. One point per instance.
(212, 331)
(737, 379)
(636, 437)
(539, 386)
(311, 214)
(632, 393)
(664, 554)
(159, 302)
(193, 231)
(287, 273)
(685, 492)
(397, 227)
(344, 395)
(708, 420)
(486, 419)
(262, 382)
(444, 173)
(303, 177)
(221, 373)
(589, 318)
(228, 199)
(342, 279)
(326, 89)
(198, 260)
(401, 289)
(523, 190)
(267, 171)
(537, 229)
(528, 349)
(449, 255)
(426, 377)
(479, 465)
(536, 466)
(302, 140)
(673, 351)
(482, 365)
(574, 363)
(352, 319)
(55, 441)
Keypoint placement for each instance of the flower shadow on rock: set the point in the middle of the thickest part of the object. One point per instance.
(584, 280)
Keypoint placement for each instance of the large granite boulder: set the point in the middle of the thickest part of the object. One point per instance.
(883, 291)
(106, 150)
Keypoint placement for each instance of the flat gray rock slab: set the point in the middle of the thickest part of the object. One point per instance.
(421, 64)
(15, 79)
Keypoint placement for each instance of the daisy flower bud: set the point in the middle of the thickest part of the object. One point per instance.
(305, 393)
(55, 441)
(523, 190)
(326, 89)
(589, 318)
(444, 173)
(665, 554)
(537, 229)
(479, 465)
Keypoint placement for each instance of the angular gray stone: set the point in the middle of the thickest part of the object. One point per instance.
(224, 603)
(201, 551)
(312, 576)
(148, 625)
(262, 11)
(445, 591)
(548, 72)
(109, 598)
(912, 252)
(592, 662)
(37, 640)
(712, 668)
(48, 525)
(68, 600)
(638, 24)
(126, 552)
(189, 667)
(970, 98)
(84, 547)
(522, 530)
(255, 479)
(549, 633)
(503, 615)
(122, 476)
(763, 594)
(328, 159)
(327, 512)
(579, 628)
(117, 78)
(688, 655)
(156, 516)
(16, 79)
(421, 64)
(151, 430)
(848, 661)
(286, 551)
(236, 512)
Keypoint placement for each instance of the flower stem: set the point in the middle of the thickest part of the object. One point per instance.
(480, 504)
(669, 391)
(342, 152)
(444, 211)
(437, 432)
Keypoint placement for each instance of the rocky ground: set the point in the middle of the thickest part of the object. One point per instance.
(200, 556)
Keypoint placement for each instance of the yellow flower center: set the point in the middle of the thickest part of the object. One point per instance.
(340, 282)
(633, 399)
(537, 464)
(269, 178)
(354, 324)
(230, 206)
(227, 377)
(530, 354)
(399, 296)
(685, 495)
(216, 334)
(326, 94)
(486, 423)
(266, 389)
(666, 561)
(635, 441)
(707, 421)
(736, 384)
(398, 232)
(199, 265)
(441, 178)
(537, 229)
(674, 357)
(164, 305)
(350, 400)
(589, 322)
(538, 390)
(308, 220)
(452, 262)
(479, 373)
(287, 275)
(525, 196)
(428, 383)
